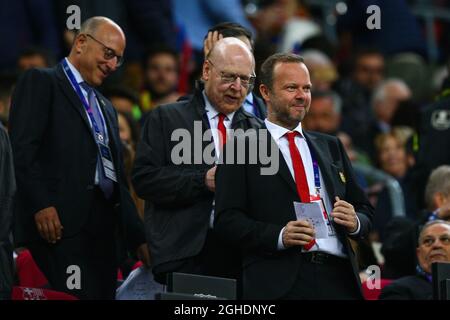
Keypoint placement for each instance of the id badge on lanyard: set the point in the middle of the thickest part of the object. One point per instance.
(326, 217)
(318, 198)
(107, 161)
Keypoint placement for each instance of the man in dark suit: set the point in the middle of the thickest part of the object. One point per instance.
(178, 183)
(433, 246)
(255, 209)
(73, 204)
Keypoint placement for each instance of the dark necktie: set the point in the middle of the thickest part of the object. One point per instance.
(105, 184)
(300, 175)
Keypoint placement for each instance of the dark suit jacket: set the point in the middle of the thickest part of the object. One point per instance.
(408, 288)
(178, 204)
(252, 209)
(260, 106)
(55, 157)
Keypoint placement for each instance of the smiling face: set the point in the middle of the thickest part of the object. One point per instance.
(434, 246)
(88, 55)
(392, 155)
(289, 99)
(228, 59)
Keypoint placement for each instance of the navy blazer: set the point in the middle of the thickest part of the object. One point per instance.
(55, 157)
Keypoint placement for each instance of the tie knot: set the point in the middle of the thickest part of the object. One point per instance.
(221, 117)
(291, 135)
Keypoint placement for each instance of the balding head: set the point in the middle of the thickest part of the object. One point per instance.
(230, 46)
(97, 49)
(228, 73)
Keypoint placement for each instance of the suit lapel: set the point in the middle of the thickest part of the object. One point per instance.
(71, 95)
(198, 104)
(319, 149)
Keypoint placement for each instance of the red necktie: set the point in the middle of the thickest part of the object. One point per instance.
(300, 175)
(222, 130)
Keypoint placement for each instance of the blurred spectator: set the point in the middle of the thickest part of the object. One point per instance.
(392, 159)
(355, 155)
(124, 100)
(434, 246)
(437, 193)
(129, 130)
(321, 68)
(325, 112)
(385, 101)
(299, 26)
(160, 78)
(26, 23)
(7, 190)
(129, 134)
(34, 57)
(7, 82)
(434, 142)
(356, 93)
(252, 104)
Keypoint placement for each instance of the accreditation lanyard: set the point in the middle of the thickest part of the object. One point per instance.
(317, 196)
(317, 186)
(98, 134)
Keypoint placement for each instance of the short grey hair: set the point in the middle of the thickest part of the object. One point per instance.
(380, 92)
(439, 181)
(429, 224)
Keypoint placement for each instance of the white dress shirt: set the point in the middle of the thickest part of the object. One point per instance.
(331, 245)
(79, 80)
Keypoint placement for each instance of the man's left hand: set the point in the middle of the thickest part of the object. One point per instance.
(144, 255)
(344, 214)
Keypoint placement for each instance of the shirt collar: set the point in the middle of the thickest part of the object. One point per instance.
(75, 72)
(212, 112)
(278, 131)
(249, 98)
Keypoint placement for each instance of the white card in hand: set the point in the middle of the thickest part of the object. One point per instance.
(312, 212)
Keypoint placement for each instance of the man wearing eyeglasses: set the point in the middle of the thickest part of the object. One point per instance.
(433, 246)
(73, 204)
(179, 193)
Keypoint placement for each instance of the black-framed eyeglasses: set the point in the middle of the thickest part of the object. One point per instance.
(228, 77)
(108, 52)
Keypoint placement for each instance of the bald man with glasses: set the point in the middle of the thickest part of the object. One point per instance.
(180, 194)
(73, 205)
